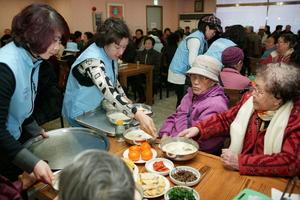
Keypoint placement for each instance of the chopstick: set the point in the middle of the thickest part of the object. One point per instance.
(292, 190)
(286, 188)
(37, 189)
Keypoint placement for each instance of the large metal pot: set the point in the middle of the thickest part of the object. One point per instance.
(180, 157)
(138, 140)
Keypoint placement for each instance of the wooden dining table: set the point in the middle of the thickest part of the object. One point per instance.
(133, 69)
(217, 182)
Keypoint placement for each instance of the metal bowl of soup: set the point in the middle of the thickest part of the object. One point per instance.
(136, 136)
(179, 148)
(115, 115)
(144, 108)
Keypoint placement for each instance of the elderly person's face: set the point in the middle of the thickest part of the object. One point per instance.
(263, 100)
(138, 34)
(282, 46)
(270, 43)
(200, 83)
(148, 45)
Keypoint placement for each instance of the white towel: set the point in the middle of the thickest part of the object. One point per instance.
(275, 130)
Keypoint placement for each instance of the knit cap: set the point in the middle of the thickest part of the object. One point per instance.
(232, 56)
(206, 66)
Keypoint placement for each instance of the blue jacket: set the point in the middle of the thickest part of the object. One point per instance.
(217, 47)
(26, 76)
(180, 61)
(80, 99)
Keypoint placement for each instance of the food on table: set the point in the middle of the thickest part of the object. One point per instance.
(129, 163)
(179, 148)
(145, 146)
(160, 166)
(134, 148)
(134, 155)
(137, 135)
(147, 154)
(119, 116)
(179, 193)
(184, 175)
(152, 184)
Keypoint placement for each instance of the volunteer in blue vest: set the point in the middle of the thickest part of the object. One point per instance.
(93, 77)
(235, 36)
(193, 45)
(36, 32)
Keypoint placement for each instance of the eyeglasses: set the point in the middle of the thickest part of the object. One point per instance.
(253, 83)
(196, 76)
(280, 41)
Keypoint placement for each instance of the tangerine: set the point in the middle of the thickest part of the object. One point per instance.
(134, 148)
(147, 154)
(145, 146)
(134, 155)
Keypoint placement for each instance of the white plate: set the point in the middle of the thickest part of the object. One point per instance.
(168, 163)
(195, 193)
(135, 172)
(167, 187)
(125, 155)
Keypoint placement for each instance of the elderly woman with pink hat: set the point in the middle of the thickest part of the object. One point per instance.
(230, 77)
(204, 99)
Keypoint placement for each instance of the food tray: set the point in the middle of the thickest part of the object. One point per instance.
(97, 120)
(64, 144)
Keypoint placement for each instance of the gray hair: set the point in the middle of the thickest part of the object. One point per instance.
(281, 79)
(96, 175)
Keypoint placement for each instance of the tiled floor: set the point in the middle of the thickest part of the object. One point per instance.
(162, 108)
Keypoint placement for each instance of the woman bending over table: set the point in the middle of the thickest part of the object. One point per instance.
(36, 32)
(94, 76)
(264, 126)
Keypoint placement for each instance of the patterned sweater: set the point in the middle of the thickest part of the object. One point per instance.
(252, 161)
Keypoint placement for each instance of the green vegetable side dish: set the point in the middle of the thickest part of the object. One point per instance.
(180, 193)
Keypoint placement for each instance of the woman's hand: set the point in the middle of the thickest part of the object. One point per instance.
(189, 133)
(146, 123)
(230, 159)
(28, 180)
(43, 133)
(129, 101)
(43, 172)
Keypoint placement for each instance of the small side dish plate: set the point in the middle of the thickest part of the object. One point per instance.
(125, 155)
(195, 193)
(168, 163)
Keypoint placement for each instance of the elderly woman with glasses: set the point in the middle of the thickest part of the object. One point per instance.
(285, 44)
(264, 126)
(205, 98)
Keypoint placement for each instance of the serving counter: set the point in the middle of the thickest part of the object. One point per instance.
(216, 182)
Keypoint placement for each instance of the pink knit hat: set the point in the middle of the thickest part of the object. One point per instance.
(232, 56)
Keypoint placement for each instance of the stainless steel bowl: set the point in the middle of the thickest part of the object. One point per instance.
(143, 107)
(113, 120)
(138, 141)
(179, 157)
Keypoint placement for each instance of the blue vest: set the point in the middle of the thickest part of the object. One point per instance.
(217, 47)
(26, 75)
(80, 99)
(180, 61)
